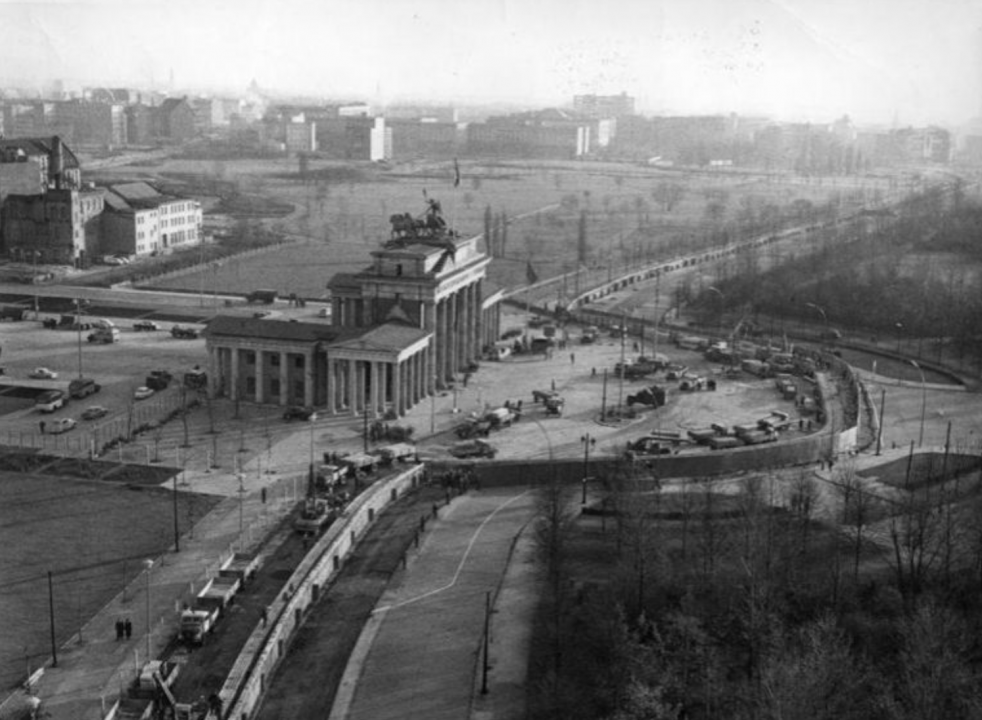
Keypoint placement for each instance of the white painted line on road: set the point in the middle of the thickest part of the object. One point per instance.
(460, 566)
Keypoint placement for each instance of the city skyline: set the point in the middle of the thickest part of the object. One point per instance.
(909, 62)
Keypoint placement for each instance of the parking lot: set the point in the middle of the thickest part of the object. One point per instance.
(119, 368)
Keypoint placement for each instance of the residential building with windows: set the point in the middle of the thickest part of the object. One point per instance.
(60, 226)
(139, 220)
(174, 120)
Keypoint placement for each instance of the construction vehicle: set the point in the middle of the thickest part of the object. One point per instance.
(473, 448)
(501, 417)
(315, 517)
(265, 295)
(555, 405)
(195, 378)
(242, 566)
(724, 442)
(218, 593)
(651, 395)
(158, 380)
(197, 623)
(83, 387)
(401, 452)
(473, 427)
(648, 445)
(104, 335)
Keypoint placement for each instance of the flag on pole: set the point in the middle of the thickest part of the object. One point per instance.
(456, 173)
(530, 273)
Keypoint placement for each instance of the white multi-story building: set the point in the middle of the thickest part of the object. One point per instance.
(139, 220)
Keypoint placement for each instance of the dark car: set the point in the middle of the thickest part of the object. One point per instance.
(147, 325)
(300, 413)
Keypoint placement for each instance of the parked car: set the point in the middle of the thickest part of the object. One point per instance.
(184, 333)
(300, 413)
(148, 325)
(60, 425)
(95, 412)
(143, 392)
(42, 373)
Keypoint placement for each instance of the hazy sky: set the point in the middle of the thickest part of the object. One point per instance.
(913, 61)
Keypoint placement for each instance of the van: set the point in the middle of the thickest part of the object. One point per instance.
(103, 324)
(50, 401)
(83, 387)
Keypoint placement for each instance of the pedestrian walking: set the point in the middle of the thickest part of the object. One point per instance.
(265, 615)
(593, 373)
(42, 425)
(119, 630)
(128, 628)
(572, 358)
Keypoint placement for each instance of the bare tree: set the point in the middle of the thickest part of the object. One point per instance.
(554, 519)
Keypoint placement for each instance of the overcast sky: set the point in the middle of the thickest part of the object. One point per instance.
(909, 61)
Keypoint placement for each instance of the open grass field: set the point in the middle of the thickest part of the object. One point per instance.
(344, 210)
(91, 536)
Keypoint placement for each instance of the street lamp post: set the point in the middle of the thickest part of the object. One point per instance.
(825, 317)
(587, 441)
(148, 565)
(719, 320)
(900, 330)
(920, 440)
(78, 327)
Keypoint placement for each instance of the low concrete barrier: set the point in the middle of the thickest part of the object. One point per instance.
(247, 682)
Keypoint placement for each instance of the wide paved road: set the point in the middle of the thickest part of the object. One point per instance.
(419, 653)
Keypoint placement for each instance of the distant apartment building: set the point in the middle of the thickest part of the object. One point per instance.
(546, 134)
(301, 137)
(59, 226)
(223, 110)
(33, 118)
(355, 138)
(598, 107)
(93, 123)
(422, 113)
(139, 124)
(174, 120)
(139, 220)
(424, 139)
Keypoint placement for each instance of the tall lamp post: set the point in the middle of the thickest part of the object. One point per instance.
(78, 326)
(900, 334)
(719, 320)
(587, 441)
(148, 565)
(920, 440)
(825, 318)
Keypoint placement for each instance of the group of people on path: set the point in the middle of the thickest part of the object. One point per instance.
(124, 629)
